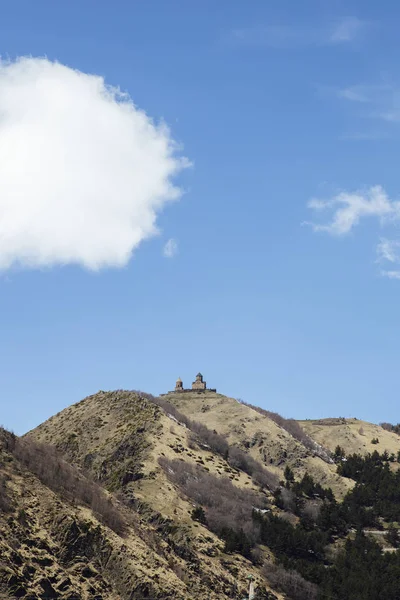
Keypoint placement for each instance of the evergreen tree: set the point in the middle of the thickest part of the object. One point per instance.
(392, 536)
(289, 476)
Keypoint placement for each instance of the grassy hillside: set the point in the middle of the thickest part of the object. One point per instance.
(352, 435)
(259, 435)
(197, 483)
(119, 438)
(53, 546)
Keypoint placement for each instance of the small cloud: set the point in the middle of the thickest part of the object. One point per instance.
(170, 249)
(388, 250)
(375, 94)
(351, 207)
(354, 94)
(391, 274)
(84, 172)
(347, 30)
(391, 116)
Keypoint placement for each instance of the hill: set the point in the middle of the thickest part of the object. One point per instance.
(118, 438)
(124, 495)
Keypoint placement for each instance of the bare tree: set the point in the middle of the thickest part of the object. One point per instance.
(290, 582)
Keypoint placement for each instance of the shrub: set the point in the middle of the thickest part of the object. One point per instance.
(199, 515)
(289, 475)
(339, 454)
(5, 501)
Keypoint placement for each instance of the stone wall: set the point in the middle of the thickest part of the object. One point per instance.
(190, 391)
(199, 385)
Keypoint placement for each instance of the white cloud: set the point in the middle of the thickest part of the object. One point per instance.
(170, 248)
(388, 250)
(349, 208)
(347, 211)
(346, 30)
(391, 274)
(83, 172)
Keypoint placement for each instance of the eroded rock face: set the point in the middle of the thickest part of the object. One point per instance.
(35, 567)
(80, 541)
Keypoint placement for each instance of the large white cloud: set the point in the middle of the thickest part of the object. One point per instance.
(83, 172)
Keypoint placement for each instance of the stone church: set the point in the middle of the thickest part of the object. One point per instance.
(199, 385)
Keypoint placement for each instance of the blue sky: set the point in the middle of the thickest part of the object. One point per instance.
(280, 281)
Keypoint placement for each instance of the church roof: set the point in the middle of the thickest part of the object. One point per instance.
(179, 380)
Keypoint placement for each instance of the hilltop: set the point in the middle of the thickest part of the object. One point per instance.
(354, 435)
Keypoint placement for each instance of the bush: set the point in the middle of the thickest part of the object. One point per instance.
(199, 515)
(339, 454)
(5, 501)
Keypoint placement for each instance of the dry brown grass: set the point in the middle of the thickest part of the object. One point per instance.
(353, 435)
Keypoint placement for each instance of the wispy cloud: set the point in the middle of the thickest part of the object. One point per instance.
(388, 251)
(354, 94)
(347, 209)
(391, 274)
(380, 101)
(342, 31)
(170, 249)
(346, 30)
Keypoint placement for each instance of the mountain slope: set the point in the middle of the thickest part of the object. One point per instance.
(53, 548)
(119, 437)
(195, 480)
(259, 435)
